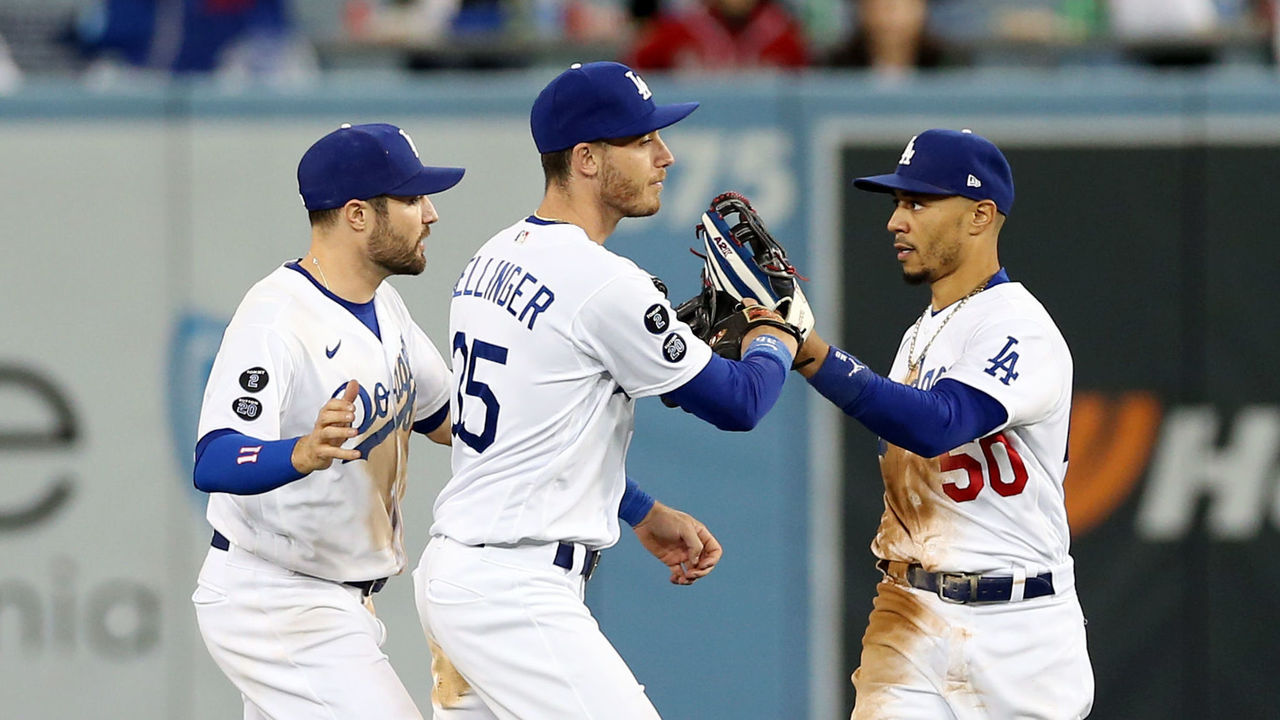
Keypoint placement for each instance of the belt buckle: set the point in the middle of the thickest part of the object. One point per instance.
(589, 564)
(944, 577)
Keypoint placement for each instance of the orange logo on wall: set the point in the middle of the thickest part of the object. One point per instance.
(1111, 441)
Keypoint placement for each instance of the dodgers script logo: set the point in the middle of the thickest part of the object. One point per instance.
(396, 402)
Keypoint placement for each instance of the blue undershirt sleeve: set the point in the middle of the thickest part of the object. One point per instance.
(636, 503)
(735, 395)
(426, 425)
(925, 422)
(229, 462)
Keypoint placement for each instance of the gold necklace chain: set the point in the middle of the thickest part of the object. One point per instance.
(913, 362)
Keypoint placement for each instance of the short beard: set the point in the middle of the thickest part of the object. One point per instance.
(623, 196)
(916, 278)
(943, 257)
(389, 251)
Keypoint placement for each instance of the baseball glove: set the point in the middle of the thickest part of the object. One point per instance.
(742, 260)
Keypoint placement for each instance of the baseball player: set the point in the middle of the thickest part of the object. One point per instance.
(554, 338)
(303, 440)
(977, 615)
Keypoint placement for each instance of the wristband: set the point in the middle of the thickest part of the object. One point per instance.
(770, 346)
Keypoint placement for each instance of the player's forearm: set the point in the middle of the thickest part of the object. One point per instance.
(925, 422)
(735, 395)
(812, 353)
(241, 465)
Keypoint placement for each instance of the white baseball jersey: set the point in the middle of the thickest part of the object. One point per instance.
(290, 347)
(553, 338)
(996, 502)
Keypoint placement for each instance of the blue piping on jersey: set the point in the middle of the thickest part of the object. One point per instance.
(364, 312)
(535, 220)
(432, 421)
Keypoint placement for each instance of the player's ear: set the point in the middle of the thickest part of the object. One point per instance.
(584, 159)
(356, 214)
(983, 217)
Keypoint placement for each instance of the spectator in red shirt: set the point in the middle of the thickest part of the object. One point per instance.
(722, 35)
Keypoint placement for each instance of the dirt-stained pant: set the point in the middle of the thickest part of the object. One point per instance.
(296, 647)
(515, 627)
(926, 659)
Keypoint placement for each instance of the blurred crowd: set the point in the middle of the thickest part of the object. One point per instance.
(291, 41)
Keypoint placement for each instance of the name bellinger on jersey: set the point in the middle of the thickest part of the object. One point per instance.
(541, 297)
(502, 282)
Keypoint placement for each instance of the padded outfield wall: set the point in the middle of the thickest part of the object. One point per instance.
(1143, 221)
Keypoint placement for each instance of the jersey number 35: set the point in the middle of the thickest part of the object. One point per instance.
(468, 385)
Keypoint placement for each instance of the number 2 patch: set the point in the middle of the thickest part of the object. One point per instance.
(656, 319)
(254, 379)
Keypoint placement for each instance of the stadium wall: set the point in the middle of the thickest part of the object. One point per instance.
(136, 220)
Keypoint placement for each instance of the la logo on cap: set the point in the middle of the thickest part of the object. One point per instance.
(409, 140)
(909, 152)
(641, 86)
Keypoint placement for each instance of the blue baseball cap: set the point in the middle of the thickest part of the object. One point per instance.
(598, 101)
(949, 162)
(357, 162)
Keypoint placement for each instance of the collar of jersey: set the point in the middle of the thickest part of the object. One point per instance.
(361, 311)
(1001, 276)
(535, 220)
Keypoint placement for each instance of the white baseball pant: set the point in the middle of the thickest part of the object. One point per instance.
(297, 647)
(926, 659)
(517, 629)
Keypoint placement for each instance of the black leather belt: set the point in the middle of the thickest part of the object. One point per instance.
(368, 587)
(969, 587)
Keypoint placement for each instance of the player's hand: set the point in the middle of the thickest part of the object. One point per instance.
(318, 449)
(680, 542)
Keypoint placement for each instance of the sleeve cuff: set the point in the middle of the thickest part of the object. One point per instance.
(636, 504)
(770, 346)
(431, 422)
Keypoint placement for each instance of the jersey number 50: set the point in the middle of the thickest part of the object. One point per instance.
(467, 383)
(959, 460)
